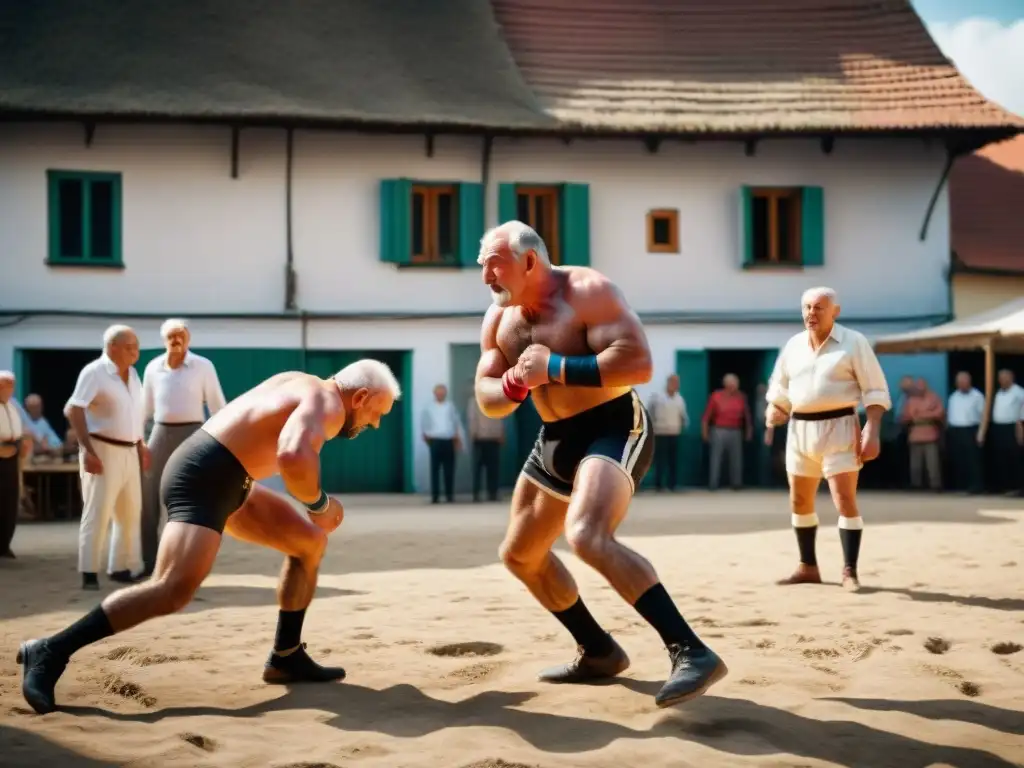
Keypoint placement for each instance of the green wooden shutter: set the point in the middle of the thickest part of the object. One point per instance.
(576, 225)
(746, 226)
(692, 369)
(507, 207)
(395, 220)
(812, 213)
(471, 223)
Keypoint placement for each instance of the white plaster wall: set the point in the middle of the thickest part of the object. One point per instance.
(196, 240)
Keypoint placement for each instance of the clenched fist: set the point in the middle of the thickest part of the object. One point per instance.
(532, 367)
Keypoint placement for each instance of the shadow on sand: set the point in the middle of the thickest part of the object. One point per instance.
(24, 749)
(731, 726)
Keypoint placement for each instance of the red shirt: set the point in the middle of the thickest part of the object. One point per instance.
(727, 411)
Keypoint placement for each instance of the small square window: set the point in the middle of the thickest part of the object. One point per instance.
(663, 231)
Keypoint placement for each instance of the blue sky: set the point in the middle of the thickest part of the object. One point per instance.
(985, 39)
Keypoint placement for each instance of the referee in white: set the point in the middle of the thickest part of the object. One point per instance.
(820, 378)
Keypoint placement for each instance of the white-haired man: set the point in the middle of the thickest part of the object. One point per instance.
(175, 388)
(567, 337)
(820, 377)
(278, 426)
(15, 443)
(105, 410)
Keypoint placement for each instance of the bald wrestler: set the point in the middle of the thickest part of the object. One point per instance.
(279, 426)
(566, 336)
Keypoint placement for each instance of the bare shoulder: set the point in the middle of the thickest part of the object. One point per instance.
(489, 327)
(593, 295)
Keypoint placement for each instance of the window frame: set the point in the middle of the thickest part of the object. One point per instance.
(53, 211)
(552, 194)
(672, 216)
(796, 230)
(431, 257)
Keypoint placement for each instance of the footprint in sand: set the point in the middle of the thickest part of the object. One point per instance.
(968, 688)
(364, 636)
(204, 743)
(899, 632)
(1005, 649)
(936, 645)
(308, 765)
(475, 673)
(128, 690)
(756, 623)
(497, 762)
(473, 648)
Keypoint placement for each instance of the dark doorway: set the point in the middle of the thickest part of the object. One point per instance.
(974, 364)
(52, 374)
(753, 367)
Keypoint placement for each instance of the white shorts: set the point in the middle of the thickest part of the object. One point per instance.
(823, 448)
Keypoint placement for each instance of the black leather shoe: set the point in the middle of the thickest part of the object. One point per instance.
(588, 669)
(41, 669)
(693, 672)
(295, 666)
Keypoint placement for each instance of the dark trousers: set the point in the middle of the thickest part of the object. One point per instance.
(965, 459)
(442, 460)
(10, 498)
(666, 460)
(1006, 459)
(485, 459)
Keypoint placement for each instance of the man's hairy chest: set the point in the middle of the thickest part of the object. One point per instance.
(560, 331)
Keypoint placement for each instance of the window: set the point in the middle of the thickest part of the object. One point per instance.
(430, 223)
(560, 213)
(783, 226)
(84, 211)
(435, 224)
(663, 231)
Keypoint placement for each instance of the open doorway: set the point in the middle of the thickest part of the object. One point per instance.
(753, 367)
(52, 374)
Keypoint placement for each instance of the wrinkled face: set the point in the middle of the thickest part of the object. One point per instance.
(176, 342)
(124, 351)
(6, 389)
(503, 273)
(365, 409)
(963, 381)
(34, 406)
(818, 313)
(672, 384)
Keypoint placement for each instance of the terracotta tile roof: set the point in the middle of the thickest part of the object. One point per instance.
(399, 62)
(986, 199)
(735, 66)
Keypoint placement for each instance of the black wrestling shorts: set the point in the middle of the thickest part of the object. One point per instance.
(203, 483)
(618, 431)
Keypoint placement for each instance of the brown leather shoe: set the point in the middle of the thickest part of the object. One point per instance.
(850, 581)
(804, 574)
(588, 669)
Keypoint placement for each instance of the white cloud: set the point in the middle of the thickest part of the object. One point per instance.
(990, 55)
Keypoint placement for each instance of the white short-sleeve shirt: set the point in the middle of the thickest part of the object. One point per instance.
(112, 408)
(177, 395)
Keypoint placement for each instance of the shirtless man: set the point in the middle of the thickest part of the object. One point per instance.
(279, 426)
(567, 336)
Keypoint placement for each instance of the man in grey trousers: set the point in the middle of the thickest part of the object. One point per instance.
(175, 386)
(725, 426)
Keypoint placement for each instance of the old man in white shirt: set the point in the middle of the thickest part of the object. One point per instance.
(175, 387)
(105, 410)
(15, 443)
(821, 376)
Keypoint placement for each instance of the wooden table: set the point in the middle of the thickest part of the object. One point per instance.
(41, 477)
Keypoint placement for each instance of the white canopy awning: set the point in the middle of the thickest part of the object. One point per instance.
(1000, 329)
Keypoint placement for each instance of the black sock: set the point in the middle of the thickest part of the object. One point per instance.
(585, 629)
(657, 608)
(806, 536)
(850, 531)
(92, 627)
(289, 629)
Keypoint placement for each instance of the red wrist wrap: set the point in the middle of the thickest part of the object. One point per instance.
(513, 390)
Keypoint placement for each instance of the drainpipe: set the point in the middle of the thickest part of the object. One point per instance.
(290, 281)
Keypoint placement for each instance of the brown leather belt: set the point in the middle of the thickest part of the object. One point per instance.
(180, 423)
(836, 413)
(112, 441)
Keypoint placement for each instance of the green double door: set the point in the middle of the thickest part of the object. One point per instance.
(374, 463)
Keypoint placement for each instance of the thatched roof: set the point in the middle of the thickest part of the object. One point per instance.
(410, 62)
(603, 66)
(740, 66)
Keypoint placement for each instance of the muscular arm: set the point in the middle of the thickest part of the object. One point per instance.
(614, 332)
(299, 444)
(490, 395)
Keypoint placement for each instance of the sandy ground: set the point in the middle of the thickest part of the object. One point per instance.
(441, 645)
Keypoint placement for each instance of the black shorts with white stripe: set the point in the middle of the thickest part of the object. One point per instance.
(618, 432)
